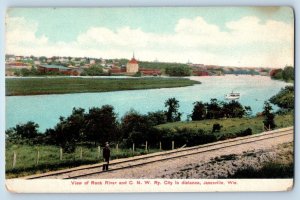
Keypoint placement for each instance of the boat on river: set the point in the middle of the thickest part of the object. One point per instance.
(233, 96)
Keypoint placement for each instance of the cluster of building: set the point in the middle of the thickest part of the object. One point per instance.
(131, 68)
(216, 70)
(75, 66)
(71, 71)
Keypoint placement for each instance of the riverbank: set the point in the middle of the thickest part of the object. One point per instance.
(39, 86)
(29, 161)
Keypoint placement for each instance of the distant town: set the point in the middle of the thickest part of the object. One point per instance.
(85, 66)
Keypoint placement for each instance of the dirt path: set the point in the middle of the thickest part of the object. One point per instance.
(205, 165)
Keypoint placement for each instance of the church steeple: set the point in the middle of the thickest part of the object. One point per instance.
(132, 66)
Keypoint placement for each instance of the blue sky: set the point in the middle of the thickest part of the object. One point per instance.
(209, 35)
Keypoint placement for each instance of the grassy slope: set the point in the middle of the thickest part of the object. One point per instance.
(49, 155)
(231, 126)
(35, 86)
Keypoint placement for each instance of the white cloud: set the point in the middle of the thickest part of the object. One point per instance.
(195, 27)
(247, 42)
(250, 29)
(122, 37)
(22, 32)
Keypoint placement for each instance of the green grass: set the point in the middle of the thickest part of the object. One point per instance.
(62, 85)
(231, 126)
(49, 155)
(50, 158)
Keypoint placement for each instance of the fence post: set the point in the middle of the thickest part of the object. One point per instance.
(80, 152)
(146, 146)
(172, 144)
(269, 127)
(37, 157)
(14, 159)
(133, 147)
(160, 145)
(60, 153)
(99, 152)
(117, 150)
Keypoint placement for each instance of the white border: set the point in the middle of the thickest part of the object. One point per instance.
(89, 3)
(147, 185)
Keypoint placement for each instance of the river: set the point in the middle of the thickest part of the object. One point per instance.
(46, 109)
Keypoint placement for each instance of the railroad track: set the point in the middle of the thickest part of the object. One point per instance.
(136, 161)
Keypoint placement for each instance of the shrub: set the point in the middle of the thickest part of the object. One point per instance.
(216, 128)
(185, 136)
(202, 138)
(246, 132)
(137, 137)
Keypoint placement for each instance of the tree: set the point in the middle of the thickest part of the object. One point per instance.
(268, 116)
(199, 111)
(17, 72)
(285, 98)
(95, 70)
(214, 109)
(76, 123)
(288, 73)
(24, 133)
(133, 121)
(69, 131)
(42, 59)
(25, 72)
(137, 74)
(27, 131)
(11, 136)
(101, 124)
(156, 118)
(172, 113)
(34, 71)
(233, 109)
(278, 74)
(178, 71)
(136, 127)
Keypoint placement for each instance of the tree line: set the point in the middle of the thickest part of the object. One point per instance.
(219, 109)
(94, 127)
(178, 71)
(286, 74)
(95, 70)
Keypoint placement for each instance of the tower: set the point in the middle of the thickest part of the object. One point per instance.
(132, 66)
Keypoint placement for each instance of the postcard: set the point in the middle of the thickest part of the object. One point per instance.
(149, 99)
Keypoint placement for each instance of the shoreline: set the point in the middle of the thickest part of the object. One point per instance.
(75, 85)
(25, 95)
